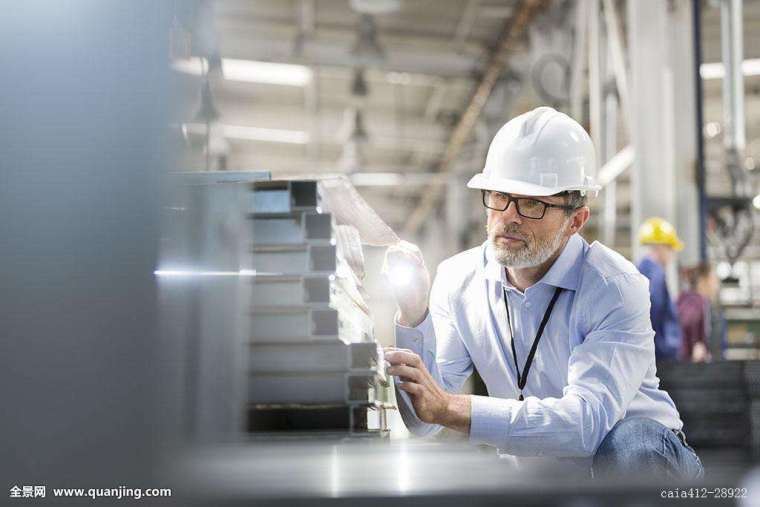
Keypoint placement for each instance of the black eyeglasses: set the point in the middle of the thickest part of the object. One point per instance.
(527, 207)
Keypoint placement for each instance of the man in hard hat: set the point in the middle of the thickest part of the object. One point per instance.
(558, 329)
(660, 240)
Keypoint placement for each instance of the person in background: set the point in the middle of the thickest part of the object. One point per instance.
(661, 242)
(700, 316)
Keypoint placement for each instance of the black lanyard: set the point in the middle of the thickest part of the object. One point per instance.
(522, 379)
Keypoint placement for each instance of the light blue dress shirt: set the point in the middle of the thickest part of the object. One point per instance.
(594, 365)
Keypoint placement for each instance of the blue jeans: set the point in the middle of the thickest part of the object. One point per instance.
(643, 447)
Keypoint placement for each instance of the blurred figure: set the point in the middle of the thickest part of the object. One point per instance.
(700, 315)
(662, 243)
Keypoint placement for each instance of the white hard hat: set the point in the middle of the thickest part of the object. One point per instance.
(542, 152)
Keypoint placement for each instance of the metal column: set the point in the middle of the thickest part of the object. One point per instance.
(663, 177)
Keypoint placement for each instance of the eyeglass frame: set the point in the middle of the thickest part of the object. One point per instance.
(511, 199)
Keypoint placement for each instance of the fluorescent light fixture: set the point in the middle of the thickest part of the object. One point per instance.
(250, 71)
(266, 72)
(254, 133)
(716, 71)
(267, 135)
(377, 179)
(756, 201)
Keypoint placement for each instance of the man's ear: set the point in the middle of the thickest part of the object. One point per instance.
(579, 219)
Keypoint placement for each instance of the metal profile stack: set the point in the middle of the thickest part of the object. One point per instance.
(719, 403)
(314, 364)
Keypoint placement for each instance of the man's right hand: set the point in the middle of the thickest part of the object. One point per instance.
(410, 282)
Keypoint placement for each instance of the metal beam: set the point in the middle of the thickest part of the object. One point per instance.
(615, 41)
(508, 40)
(579, 62)
(615, 166)
(417, 55)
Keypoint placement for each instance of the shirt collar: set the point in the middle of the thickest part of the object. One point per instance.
(563, 273)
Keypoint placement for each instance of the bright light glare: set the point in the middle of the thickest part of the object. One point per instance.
(401, 275)
(404, 470)
(193, 273)
(756, 201)
(250, 71)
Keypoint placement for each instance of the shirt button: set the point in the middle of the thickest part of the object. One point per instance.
(527, 305)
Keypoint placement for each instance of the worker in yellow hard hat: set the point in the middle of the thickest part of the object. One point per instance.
(661, 243)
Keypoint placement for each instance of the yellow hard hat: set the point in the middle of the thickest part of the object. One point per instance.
(658, 231)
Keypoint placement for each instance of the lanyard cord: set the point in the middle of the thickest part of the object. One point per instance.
(522, 379)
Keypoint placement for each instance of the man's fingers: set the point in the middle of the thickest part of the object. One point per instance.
(406, 372)
(392, 348)
(402, 356)
(411, 388)
(403, 252)
(412, 249)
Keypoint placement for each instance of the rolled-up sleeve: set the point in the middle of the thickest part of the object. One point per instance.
(605, 372)
(437, 341)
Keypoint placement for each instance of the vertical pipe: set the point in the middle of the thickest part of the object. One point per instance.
(733, 80)
(610, 148)
(696, 14)
(595, 77)
(579, 60)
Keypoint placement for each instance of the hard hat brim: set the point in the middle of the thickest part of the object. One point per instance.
(481, 182)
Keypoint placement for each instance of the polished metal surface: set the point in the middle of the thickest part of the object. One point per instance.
(314, 471)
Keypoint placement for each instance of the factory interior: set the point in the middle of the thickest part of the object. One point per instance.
(218, 216)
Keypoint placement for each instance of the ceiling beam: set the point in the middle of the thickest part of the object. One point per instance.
(508, 41)
(430, 57)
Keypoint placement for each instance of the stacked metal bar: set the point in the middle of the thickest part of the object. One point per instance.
(719, 403)
(314, 364)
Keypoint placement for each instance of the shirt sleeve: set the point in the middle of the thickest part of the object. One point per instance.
(438, 342)
(604, 375)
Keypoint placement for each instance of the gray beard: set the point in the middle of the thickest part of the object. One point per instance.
(531, 254)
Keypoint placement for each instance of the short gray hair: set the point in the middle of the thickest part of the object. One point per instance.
(576, 199)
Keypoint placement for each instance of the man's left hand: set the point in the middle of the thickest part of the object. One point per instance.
(431, 403)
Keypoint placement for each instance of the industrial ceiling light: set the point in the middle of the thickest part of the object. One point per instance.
(245, 133)
(207, 111)
(376, 6)
(359, 86)
(207, 120)
(214, 63)
(250, 71)
(367, 51)
(352, 159)
(359, 134)
(353, 127)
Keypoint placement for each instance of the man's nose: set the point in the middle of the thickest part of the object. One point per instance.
(510, 214)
